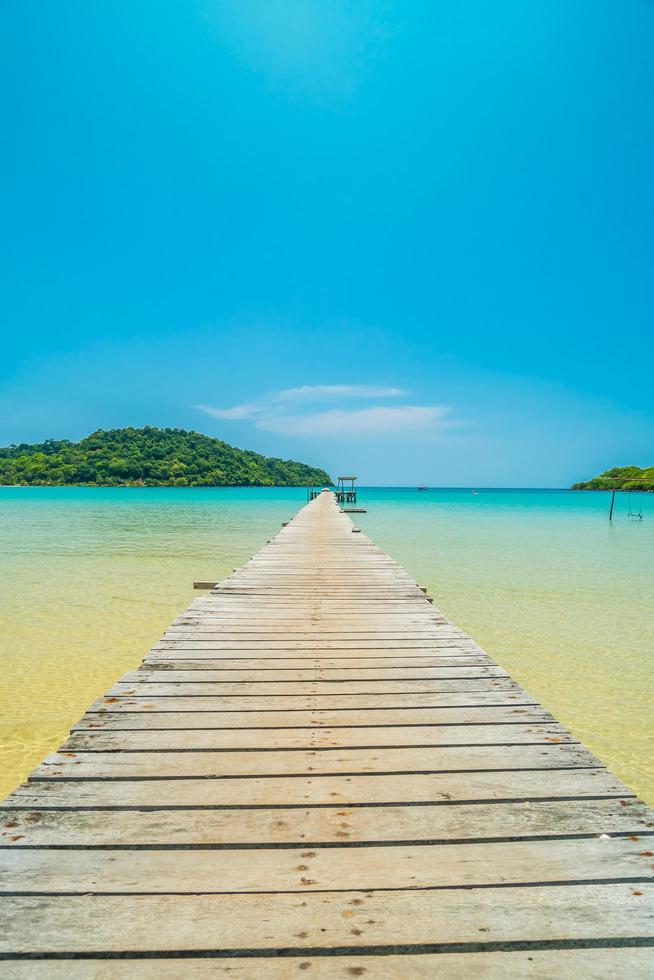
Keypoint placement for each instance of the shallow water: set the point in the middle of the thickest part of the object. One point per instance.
(558, 596)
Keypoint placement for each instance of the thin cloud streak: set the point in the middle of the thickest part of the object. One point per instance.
(312, 392)
(237, 413)
(268, 405)
(377, 421)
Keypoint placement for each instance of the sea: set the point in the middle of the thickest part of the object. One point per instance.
(558, 595)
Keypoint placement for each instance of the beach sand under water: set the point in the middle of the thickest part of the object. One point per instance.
(555, 594)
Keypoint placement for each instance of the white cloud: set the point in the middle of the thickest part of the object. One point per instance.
(269, 405)
(280, 412)
(379, 420)
(238, 412)
(313, 392)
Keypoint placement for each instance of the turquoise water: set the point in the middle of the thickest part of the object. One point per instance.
(556, 594)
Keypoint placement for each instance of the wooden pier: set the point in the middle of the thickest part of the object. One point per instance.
(315, 774)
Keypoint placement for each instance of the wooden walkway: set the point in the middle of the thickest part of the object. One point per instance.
(315, 774)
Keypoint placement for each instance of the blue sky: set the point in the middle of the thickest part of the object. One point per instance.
(411, 238)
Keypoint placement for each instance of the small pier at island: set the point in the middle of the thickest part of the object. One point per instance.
(315, 774)
(346, 495)
(346, 490)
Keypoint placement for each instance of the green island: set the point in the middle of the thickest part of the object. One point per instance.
(621, 478)
(149, 457)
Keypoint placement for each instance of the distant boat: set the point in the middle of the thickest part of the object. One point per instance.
(475, 491)
(423, 487)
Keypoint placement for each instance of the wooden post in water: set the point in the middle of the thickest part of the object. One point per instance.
(612, 504)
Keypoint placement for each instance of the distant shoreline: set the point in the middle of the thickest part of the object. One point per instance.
(302, 486)
(154, 486)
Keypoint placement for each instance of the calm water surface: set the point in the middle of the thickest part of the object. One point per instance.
(558, 596)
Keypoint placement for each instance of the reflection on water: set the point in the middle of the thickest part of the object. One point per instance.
(559, 597)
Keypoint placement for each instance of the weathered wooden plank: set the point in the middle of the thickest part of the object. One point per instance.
(285, 791)
(342, 664)
(482, 681)
(351, 631)
(511, 712)
(204, 651)
(197, 636)
(629, 961)
(207, 675)
(103, 740)
(385, 667)
(359, 622)
(408, 759)
(343, 920)
(297, 701)
(335, 869)
(478, 821)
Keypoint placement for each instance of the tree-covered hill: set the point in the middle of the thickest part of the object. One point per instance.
(149, 457)
(621, 478)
